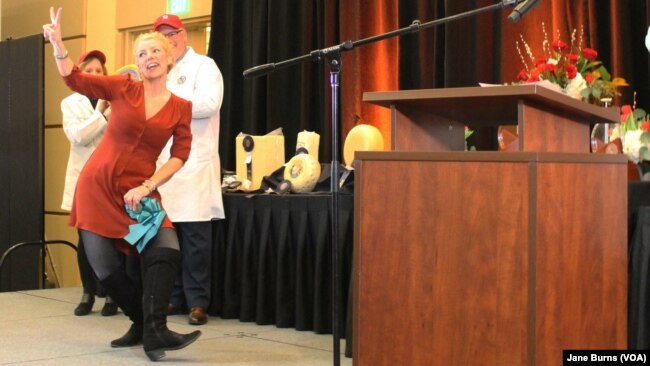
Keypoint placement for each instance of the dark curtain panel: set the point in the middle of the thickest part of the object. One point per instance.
(21, 166)
(247, 33)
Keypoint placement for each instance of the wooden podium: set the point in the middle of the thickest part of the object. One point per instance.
(488, 258)
(434, 119)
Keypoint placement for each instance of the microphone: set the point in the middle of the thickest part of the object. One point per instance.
(259, 70)
(521, 9)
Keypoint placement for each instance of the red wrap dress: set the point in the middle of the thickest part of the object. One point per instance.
(127, 154)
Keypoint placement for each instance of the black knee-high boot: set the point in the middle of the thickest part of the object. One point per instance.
(160, 268)
(127, 296)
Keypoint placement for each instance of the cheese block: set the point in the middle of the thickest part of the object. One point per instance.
(257, 156)
(309, 141)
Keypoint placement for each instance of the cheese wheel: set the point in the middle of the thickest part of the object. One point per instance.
(129, 69)
(362, 137)
(302, 171)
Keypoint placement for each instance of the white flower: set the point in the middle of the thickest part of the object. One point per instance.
(575, 86)
(631, 144)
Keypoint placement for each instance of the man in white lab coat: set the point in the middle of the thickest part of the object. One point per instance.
(192, 198)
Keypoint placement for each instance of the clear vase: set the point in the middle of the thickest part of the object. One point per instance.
(607, 138)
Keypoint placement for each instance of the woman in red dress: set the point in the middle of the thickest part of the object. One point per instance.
(122, 171)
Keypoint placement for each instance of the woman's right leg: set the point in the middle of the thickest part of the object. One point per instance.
(90, 286)
(108, 264)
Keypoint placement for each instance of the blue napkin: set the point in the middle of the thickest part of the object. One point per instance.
(149, 215)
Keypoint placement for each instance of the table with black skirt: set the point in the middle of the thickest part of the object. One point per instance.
(272, 260)
(639, 265)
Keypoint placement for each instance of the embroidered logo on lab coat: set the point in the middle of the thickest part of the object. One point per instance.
(181, 80)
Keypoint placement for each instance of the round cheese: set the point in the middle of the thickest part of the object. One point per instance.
(362, 137)
(303, 171)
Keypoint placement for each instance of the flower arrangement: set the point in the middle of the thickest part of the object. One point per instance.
(574, 69)
(635, 123)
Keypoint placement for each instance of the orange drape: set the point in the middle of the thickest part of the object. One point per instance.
(494, 57)
(371, 67)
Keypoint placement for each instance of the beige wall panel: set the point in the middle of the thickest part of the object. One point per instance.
(22, 18)
(57, 149)
(102, 32)
(61, 267)
(133, 14)
(197, 38)
(55, 88)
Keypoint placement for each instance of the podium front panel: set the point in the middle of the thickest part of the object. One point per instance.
(488, 258)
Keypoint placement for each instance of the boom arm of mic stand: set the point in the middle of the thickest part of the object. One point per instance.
(414, 27)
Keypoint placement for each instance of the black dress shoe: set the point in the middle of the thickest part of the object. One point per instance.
(198, 316)
(110, 308)
(85, 306)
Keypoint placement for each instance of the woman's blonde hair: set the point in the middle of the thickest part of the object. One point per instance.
(162, 40)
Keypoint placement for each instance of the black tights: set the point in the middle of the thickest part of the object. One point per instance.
(106, 259)
(88, 281)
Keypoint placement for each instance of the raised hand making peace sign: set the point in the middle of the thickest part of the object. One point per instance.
(52, 33)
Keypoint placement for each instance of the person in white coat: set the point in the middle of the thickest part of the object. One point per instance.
(192, 197)
(84, 122)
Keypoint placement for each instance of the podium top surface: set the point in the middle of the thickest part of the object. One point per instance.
(477, 105)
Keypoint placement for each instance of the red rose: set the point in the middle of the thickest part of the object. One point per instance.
(589, 53)
(645, 126)
(572, 57)
(571, 71)
(589, 78)
(559, 45)
(534, 76)
(523, 75)
(625, 112)
(550, 68)
(626, 109)
(540, 61)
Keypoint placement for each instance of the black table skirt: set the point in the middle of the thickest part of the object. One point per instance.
(639, 263)
(271, 260)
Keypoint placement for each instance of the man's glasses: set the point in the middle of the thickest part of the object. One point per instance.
(172, 33)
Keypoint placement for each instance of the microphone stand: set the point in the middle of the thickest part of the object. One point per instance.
(333, 54)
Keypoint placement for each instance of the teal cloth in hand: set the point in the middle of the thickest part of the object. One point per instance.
(149, 216)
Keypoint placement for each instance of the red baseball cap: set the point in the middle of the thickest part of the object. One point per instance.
(168, 19)
(94, 53)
